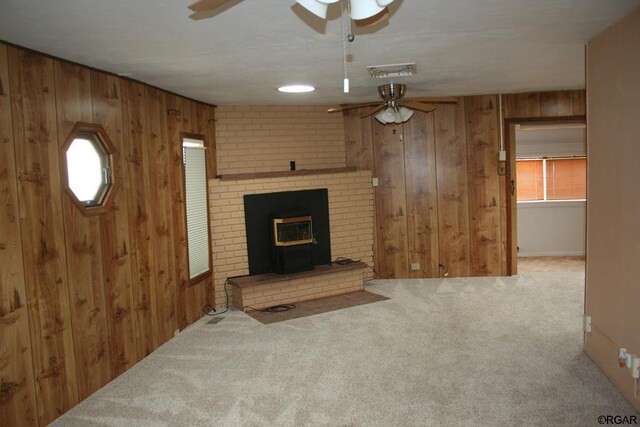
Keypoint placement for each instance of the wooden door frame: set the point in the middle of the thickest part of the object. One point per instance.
(508, 126)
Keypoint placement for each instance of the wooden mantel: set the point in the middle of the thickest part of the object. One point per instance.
(280, 174)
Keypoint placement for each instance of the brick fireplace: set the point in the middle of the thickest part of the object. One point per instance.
(350, 198)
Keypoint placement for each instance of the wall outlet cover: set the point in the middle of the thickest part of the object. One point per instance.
(587, 324)
(415, 266)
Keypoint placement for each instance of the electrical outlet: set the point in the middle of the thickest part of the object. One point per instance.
(633, 364)
(375, 182)
(502, 168)
(415, 266)
(176, 332)
(629, 361)
(587, 324)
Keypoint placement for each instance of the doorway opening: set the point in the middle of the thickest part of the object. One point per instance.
(546, 171)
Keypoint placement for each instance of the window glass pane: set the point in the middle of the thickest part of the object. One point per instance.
(197, 212)
(566, 179)
(86, 163)
(529, 180)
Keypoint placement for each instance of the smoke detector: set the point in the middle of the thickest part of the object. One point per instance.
(392, 70)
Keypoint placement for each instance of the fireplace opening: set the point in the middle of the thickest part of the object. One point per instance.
(292, 230)
(292, 241)
(287, 231)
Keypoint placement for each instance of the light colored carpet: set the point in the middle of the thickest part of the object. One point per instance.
(477, 351)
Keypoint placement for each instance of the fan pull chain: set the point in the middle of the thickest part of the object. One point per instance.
(345, 85)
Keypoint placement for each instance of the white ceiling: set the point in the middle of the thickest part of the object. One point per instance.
(240, 56)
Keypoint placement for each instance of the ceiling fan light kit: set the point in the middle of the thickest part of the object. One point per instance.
(360, 9)
(391, 115)
(317, 7)
(363, 9)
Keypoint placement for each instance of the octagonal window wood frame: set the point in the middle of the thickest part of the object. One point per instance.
(110, 148)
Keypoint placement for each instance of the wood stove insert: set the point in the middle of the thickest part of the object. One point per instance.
(292, 242)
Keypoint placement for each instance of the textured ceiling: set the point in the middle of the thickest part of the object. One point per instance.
(242, 55)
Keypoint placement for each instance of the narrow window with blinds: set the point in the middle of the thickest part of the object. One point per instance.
(195, 180)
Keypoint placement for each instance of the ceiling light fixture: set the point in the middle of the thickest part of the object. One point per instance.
(363, 12)
(394, 115)
(296, 88)
(360, 9)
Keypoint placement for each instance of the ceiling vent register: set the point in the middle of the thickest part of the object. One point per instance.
(392, 70)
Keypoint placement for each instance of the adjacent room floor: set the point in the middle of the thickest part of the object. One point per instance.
(473, 351)
(549, 264)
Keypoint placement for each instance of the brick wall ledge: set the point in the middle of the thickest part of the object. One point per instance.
(272, 278)
(279, 174)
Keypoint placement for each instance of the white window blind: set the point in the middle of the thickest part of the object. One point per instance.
(195, 177)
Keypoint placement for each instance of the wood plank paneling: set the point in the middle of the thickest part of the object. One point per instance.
(114, 233)
(174, 130)
(85, 297)
(554, 104)
(17, 390)
(42, 231)
(521, 105)
(84, 251)
(484, 186)
(211, 143)
(453, 206)
(544, 104)
(422, 197)
(467, 151)
(579, 102)
(391, 203)
(141, 233)
(357, 139)
(158, 153)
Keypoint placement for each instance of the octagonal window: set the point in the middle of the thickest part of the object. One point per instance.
(88, 155)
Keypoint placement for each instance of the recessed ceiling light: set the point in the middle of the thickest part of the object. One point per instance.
(296, 88)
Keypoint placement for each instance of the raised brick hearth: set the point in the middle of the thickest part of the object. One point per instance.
(267, 290)
(351, 223)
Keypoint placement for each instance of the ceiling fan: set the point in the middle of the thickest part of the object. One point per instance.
(363, 12)
(395, 108)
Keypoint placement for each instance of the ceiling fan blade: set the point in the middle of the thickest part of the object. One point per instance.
(420, 107)
(371, 112)
(435, 99)
(205, 5)
(347, 107)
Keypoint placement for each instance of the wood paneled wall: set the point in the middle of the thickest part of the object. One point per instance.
(440, 201)
(86, 297)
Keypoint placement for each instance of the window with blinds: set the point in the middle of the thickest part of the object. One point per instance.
(529, 177)
(566, 179)
(195, 179)
(551, 179)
